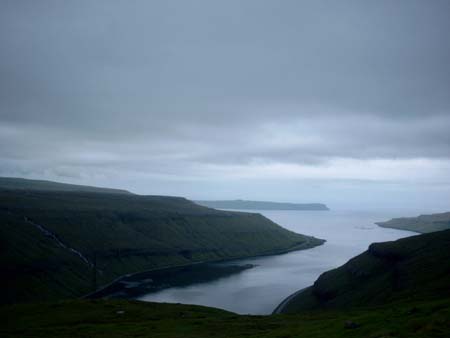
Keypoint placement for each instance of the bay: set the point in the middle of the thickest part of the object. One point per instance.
(260, 289)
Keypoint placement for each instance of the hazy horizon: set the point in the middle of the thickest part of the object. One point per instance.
(344, 103)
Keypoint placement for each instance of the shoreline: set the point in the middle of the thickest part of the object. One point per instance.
(303, 246)
(285, 301)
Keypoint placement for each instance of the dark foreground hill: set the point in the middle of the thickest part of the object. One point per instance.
(422, 223)
(410, 269)
(261, 205)
(107, 318)
(51, 240)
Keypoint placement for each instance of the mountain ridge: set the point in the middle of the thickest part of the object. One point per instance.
(17, 183)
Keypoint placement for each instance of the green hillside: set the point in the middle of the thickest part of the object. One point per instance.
(102, 318)
(410, 269)
(49, 240)
(421, 224)
(395, 289)
(26, 184)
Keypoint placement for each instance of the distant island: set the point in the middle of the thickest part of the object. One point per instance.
(261, 205)
(421, 224)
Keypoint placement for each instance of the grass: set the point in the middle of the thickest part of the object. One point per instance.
(101, 318)
(421, 224)
(14, 183)
(412, 268)
(123, 232)
(395, 289)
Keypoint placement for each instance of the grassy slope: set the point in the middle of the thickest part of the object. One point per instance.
(415, 268)
(421, 224)
(26, 184)
(137, 319)
(126, 232)
(396, 289)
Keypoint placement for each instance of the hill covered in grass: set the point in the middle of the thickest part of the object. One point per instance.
(50, 240)
(416, 268)
(421, 224)
(15, 183)
(106, 318)
(395, 289)
(261, 205)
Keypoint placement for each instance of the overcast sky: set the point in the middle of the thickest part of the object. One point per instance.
(341, 102)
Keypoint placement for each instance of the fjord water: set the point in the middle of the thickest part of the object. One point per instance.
(260, 289)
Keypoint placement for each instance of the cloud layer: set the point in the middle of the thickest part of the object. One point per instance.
(188, 97)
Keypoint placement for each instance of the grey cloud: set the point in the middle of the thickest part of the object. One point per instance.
(165, 87)
(65, 62)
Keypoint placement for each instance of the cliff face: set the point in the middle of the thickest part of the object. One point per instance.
(417, 267)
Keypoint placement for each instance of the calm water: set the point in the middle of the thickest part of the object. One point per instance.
(259, 290)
